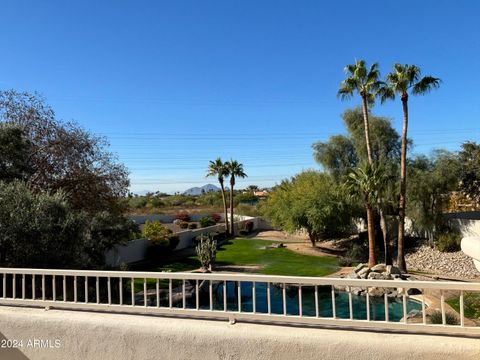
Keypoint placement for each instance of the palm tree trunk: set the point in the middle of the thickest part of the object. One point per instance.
(232, 225)
(225, 213)
(403, 188)
(386, 245)
(371, 236)
(367, 129)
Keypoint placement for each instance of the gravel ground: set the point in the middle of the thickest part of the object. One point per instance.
(455, 264)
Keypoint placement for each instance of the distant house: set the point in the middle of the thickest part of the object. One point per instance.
(261, 194)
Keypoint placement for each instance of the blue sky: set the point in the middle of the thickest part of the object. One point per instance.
(173, 84)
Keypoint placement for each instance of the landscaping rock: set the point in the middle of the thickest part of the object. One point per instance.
(363, 273)
(378, 268)
(353, 275)
(454, 264)
(360, 267)
(375, 276)
(376, 291)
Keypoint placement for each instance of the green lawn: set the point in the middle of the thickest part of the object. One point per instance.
(252, 252)
(274, 261)
(471, 304)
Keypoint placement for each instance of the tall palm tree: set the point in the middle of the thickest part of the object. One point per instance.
(405, 79)
(235, 170)
(368, 180)
(365, 82)
(218, 168)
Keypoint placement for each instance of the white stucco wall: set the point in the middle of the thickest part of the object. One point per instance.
(87, 335)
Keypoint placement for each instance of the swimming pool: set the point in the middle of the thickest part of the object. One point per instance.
(377, 305)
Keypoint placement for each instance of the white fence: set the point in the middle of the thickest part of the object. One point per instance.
(233, 297)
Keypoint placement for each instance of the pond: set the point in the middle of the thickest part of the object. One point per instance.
(377, 305)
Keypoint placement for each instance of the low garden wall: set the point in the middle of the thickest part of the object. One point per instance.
(136, 250)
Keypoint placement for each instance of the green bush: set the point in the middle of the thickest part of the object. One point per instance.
(450, 318)
(192, 226)
(448, 241)
(206, 221)
(346, 261)
(247, 210)
(159, 235)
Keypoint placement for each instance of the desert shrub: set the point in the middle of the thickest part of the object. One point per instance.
(206, 221)
(183, 224)
(159, 235)
(192, 226)
(207, 252)
(448, 241)
(183, 216)
(357, 252)
(137, 202)
(346, 261)
(216, 217)
(247, 210)
(450, 318)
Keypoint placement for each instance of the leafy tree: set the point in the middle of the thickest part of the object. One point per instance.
(39, 230)
(15, 150)
(65, 157)
(63, 161)
(219, 169)
(469, 158)
(432, 180)
(311, 201)
(405, 79)
(234, 170)
(342, 154)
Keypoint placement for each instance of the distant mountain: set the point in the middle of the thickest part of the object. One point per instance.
(198, 190)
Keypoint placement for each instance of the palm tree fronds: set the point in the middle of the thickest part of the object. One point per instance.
(425, 85)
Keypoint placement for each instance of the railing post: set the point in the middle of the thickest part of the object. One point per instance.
(424, 315)
(334, 311)
(462, 309)
(64, 285)
(442, 306)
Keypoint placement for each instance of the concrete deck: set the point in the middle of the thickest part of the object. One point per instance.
(89, 335)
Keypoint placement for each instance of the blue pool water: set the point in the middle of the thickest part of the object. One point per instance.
(377, 305)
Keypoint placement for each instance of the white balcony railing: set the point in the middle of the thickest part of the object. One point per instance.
(262, 298)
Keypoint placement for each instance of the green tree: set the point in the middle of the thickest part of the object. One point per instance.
(405, 79)
(65, 157)
(469, 158)
(15, 150)
(39, 229)
(366, 83)
(234, 170)
(162, 240)
(432, 180)
(311, 201)
(341, 154)
(219, 169)
(368, 180)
